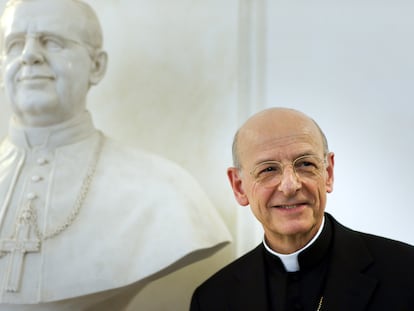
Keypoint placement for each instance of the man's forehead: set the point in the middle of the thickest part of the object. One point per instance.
(276, 129)
(253, 139)
(280, 123)
(267, 138)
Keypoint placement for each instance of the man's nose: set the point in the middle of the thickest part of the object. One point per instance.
(32, 52)
(289, 182)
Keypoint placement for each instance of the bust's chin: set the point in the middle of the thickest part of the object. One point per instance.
(34, 112)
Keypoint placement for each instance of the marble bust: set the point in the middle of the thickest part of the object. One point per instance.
(85, 222)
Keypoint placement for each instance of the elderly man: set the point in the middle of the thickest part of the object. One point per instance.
(84, 222)
(308, 261)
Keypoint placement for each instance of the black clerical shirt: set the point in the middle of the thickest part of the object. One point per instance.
(301, 290)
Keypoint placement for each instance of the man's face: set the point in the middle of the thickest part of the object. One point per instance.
(292, 207)
(45, 64)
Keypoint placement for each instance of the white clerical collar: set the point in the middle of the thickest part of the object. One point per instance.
(290, 261)
(54, 136)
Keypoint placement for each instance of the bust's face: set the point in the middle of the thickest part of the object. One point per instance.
(46, 65)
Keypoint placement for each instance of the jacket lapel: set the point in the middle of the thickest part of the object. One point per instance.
(347, 287)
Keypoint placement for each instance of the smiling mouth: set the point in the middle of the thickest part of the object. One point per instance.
(287, 207)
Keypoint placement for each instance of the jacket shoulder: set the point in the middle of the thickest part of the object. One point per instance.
(230, 274)
(392, 251)
(378, 245)
(385, 254)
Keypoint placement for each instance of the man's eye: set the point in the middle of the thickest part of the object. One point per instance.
(269, 169)
(306, 164)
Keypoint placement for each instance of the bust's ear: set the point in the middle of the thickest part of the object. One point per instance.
(98, 67)
(1, 74)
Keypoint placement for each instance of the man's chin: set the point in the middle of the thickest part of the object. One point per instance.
(297, 227)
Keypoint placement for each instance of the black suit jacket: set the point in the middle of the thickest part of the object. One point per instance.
(366, 272)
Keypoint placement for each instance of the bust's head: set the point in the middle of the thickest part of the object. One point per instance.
(51, 53)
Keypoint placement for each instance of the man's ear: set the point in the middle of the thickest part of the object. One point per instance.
(98, 67)
(236, 183)
(330, 172)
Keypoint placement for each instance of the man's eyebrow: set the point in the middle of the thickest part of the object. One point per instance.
(306, 153)
(294, 157)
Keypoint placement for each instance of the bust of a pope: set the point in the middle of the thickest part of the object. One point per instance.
(84, 221)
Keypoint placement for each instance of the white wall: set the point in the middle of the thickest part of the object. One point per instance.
(350, 65)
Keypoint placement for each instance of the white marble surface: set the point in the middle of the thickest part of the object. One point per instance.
(170, 88)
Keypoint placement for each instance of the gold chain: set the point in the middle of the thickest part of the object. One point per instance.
(320, 304)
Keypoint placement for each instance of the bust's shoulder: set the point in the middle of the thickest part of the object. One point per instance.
(126, 155)
(139, 164)
(5, 146)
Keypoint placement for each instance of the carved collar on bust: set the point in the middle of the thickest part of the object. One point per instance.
(51, 137)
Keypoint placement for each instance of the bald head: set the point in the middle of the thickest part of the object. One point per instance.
(282, 122)
(90, 25)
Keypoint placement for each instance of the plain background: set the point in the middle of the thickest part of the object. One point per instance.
(183, 75)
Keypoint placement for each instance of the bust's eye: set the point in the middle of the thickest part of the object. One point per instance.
(15, 46)
(51, 43)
